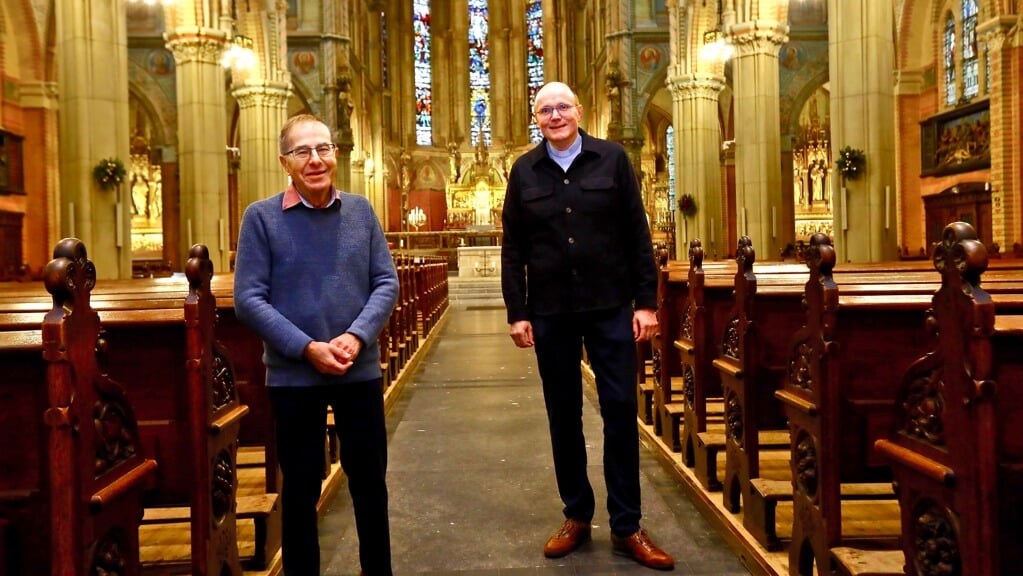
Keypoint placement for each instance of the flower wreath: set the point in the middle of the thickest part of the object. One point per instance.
(108, 173)
(687, 205)
(851, 162)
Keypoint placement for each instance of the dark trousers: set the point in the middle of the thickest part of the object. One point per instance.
(610, 347)
(301, 415)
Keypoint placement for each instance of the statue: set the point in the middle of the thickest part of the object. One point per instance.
(454, 162)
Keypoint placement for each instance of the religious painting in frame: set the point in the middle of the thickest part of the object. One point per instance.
(956, 141)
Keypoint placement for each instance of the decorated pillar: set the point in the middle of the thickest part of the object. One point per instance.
(861, 52)
(202, 129)
(92, 48)
(698, 163)
(1005, 102)
(758, 180)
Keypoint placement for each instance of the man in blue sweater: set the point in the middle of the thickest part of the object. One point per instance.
(315, 279)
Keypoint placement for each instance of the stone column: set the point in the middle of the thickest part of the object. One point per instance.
(202, 127)
(697, 160)
(262, 110)
(758, 182)
(861, 52)
(1005, 144)
(92, 48)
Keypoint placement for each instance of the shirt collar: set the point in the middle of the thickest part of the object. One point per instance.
(292, 198)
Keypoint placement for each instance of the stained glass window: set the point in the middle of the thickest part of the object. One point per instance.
(534, 60)
(950, 61)
(479, 71)
(422, 71)
(670, 148)
(971, 66)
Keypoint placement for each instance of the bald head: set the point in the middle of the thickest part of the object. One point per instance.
(555, 89)
(557, 112)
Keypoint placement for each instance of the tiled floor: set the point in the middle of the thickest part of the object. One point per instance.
(471, 481)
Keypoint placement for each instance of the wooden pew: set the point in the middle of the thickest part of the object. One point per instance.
(160, 341)
(71, 482)
(955, 445)
(751, 366)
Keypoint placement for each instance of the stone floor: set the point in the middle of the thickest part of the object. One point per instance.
(471, 480)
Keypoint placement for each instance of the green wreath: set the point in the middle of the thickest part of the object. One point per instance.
(687, 205)
(851, 162)
(108, 173)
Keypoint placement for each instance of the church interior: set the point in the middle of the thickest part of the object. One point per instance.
(145, 127)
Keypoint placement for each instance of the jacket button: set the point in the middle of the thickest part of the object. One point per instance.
(568, 210)
(571, 240)
(566, 181)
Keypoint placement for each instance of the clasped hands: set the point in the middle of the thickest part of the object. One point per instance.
(334, 357)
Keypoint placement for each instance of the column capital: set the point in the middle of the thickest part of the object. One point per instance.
(43, 95)
(757, 37)
(261, 93)
(191, 44)
(694, 86)
(995, 32)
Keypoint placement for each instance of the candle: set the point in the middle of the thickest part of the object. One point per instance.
(118, 229)
(845, 211)
(712, 230)
(71, 219)
(774, 223)
(887, 192)
(188, 232)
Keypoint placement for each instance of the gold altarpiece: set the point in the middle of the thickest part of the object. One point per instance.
(812, 170)
(475, 195)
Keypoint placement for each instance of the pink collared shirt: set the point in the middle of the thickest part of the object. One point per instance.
(292, 198)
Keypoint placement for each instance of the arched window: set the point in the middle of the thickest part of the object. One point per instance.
(961, 54)
(971, 83)
(534, 60)
(950, 60)
(422, 70)
(479, 71)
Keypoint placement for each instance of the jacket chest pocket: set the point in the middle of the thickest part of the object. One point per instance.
(598, 193)
(540, 202)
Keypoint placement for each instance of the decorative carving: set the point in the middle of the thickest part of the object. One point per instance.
(223, 378)
(730, 339)
(936, 539)
(222, 490)
(688, 384)
(655, 361)
(805, 464)
(107, 558)
(733, 417)
(924, 407)
(799, 367)
(687, 322)
(116, 431)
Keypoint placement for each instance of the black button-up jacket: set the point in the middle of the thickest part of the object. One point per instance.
(578, 240)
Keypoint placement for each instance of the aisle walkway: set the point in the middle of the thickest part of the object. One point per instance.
(471, 481)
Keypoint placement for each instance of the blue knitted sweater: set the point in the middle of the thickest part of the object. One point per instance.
(303, 274)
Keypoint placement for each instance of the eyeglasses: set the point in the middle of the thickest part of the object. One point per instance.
(305, 153)
(561, 109)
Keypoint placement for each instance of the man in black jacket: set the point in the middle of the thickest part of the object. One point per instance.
(577, 268)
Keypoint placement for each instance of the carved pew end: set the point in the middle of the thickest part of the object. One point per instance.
(759, 516)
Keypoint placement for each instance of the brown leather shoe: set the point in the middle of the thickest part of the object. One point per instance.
(642, 549)
(571, 534)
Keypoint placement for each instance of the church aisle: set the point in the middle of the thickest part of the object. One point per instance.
(471, 481)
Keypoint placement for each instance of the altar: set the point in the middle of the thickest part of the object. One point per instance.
(479, 261)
